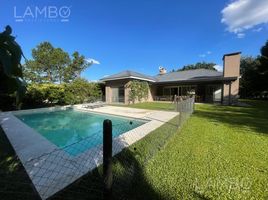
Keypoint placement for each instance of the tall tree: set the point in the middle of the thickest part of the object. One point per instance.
(61, 60)
(44, 60)
(254, 74)
(264, 56)
(50, 64)
(263, 68)
(250, 85)
(77, 65)
(199, 65)
(32, 72)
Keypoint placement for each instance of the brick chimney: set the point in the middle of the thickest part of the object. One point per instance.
(162, 70)
(231, 68)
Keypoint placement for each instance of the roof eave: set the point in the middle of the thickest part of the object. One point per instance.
(221, 79)
(127, 77)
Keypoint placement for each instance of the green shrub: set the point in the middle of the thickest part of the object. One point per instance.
(44, 93)
(78, 91)
(54, 93)
(138, 91)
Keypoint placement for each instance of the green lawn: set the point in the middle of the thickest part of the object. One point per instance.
(14, 181)
(221, 152)
(154, 105)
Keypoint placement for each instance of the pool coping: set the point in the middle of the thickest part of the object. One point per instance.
(41, 157)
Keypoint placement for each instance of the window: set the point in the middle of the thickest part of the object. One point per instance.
(166, 91)
(118, 94)
(185, 90)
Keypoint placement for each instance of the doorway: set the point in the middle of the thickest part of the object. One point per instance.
(118, 94)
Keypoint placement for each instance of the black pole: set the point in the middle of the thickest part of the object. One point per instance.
(107, 159)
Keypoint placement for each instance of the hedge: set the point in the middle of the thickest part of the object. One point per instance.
(78, 91)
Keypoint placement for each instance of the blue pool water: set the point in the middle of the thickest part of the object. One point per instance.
(75, 131)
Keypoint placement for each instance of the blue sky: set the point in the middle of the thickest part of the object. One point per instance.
(140, 35)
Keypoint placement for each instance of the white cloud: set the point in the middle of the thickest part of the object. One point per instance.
(202, 55)
(92, 61)
(241, 15)
(240, 35)
(257, 29)
(218, 68)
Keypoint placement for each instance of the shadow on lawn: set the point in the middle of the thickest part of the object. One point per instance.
(254, 117)
(129, 182)
(132, 182)
(14, 182)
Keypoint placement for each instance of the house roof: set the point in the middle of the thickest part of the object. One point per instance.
(189, 75)
(129, 74)
(195, 75)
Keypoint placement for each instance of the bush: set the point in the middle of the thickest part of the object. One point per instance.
(138, 90)
(48, 93)
(54, 94)
(78, 91)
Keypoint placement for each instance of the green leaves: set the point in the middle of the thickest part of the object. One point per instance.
(5, 58)
(77, 65)
(21, 90)
(52, 65)
(199, 65)
(78, 91)
(10, 67)
(264, 50)
(254, 75)
(138, 90)
(264, 59)
(46, 61)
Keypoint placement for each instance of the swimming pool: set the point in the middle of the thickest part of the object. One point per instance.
(76, 131)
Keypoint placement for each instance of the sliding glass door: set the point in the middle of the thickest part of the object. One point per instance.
(118, 94)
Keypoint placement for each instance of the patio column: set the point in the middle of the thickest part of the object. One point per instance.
(108, 94)
(230, 87)
(222, 91)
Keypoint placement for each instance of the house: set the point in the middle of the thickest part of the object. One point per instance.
(206, 85)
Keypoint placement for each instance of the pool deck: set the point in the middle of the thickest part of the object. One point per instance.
(51, 169)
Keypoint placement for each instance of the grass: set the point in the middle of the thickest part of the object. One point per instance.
(151, 105)
(14, 181)
(221, 152)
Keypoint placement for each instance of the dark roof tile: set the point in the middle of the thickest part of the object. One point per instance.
(188, 75)
(168, 77)
(128, 74)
